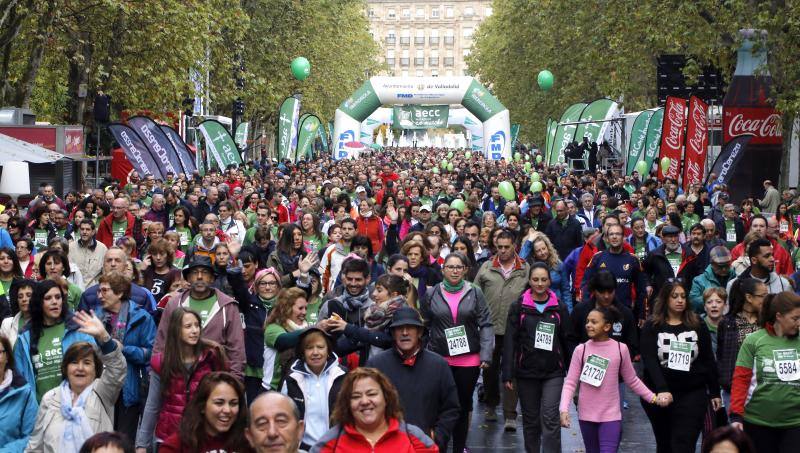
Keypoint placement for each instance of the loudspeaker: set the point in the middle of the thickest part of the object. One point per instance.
(101, 108)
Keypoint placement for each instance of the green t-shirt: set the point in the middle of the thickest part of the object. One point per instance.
(315, 243)
(74, 293)
(118, 228)
(687, 221)
(6, 285)
(312, 310)
(770, 401)
(47, 363)
(271, 356)
(640, 249)
(203, 306)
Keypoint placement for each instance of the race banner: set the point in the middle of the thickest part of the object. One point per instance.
(672, 130)
(241, 134)
(727, 161)
(637, 140)
(653, 139)
(220, 144)
(696, 142)
(158, 143)
(601, 109)
(514, 135)
(564, 134)
(135, 150)
(420, 116)
(288, 115)
(309, 131)
(184, 155)
(323, 136)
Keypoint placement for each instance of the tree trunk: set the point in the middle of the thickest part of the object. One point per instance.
(41, 36)
(80, 63)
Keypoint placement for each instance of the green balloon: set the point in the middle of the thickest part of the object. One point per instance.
(545, 80)
(527, 166)
(535, 177)
(665, 162)
(538, 158)
(450, 155)
(301, 68)
(507, 190)
(435, 170)
(517, 156)
(458, 203)
(536, 187)
(641, 167)
(450, 166)
(468, 155)
(443, 164)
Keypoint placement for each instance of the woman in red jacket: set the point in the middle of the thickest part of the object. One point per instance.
(175, 376)
(369, 224)
(369, 419)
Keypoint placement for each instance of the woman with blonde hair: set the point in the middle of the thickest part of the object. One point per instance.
(539, 248)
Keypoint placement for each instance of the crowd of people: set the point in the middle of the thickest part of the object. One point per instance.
(360, 305)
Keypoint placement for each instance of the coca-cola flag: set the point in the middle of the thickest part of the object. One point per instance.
(672, 137)
(764, 124)
(696, 142)
(729, 159)
(135, 150)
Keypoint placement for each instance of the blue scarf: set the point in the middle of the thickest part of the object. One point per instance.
(76, 424)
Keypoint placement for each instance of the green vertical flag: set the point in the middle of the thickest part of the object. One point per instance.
(597, 110)
(564, 134)
(288, 115)
(323, 136)
(309, 128)
(637, 140)
(241, 134)
(220, 144)
(514, 135)
(653, 140)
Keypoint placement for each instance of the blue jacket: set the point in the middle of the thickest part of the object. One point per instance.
(650, 243)
(137, 347)
(561, 285)
(143, 297)
(5, 239)
(22, 349)
(18, 409)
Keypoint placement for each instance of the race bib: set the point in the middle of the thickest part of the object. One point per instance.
(680, 355)
(184, 237)
(40, 238)
(784, 227)
(456, 340)
(594, 370)
(787, 366)
(675, 263)
(730, 235)
(544, 336)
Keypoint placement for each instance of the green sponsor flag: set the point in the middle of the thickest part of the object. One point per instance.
(597, 110)
(653, 140)
(481, 102)
(362, 103)
(514, 135)
(309, 131)
(241, 134)
(637, 140)
(288, 115)
(323, 137)
(420, 116)
(220, 144)
(330, 129)
(564, 134)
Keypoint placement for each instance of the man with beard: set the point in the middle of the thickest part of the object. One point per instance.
(219, 313)
(423, 378)
(768, 230)
(762, 268)
(716, 275)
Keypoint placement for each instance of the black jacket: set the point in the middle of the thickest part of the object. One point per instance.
(625, 331)
(738, 225)
(566, 237)
(657, 267)
(427, 391)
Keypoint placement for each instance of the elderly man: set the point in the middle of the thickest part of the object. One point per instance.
(157, 212)
(730, 228)
(275, 425)
(119, 224)
(116, 260)
(716, 275)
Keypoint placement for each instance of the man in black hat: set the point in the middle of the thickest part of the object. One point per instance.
(422, 377)
(218, 312)
(538, 217)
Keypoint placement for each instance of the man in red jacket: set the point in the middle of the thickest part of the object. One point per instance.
(120, 223)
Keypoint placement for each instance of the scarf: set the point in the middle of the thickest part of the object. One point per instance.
(6, 380)
(421, 274)
(289, 263)
(292, 326)
(354, 303)
(452, 289)
(378, 316)
(76, 424)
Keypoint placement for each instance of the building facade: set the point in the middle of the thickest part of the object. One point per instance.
(426, 38)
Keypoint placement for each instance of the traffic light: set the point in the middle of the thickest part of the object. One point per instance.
(238, 107)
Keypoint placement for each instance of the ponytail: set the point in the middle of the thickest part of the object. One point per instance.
(783, 303)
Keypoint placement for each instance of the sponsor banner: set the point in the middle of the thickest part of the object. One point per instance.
(696, 142)
(220, 144)
(672, 131)
(361, 103)
(653, 139)
(498, 136)
(420, 117)
(293, 132)
(727, 161)
(286, 113)
(564, 134)
(344, 132)
(600, 109)
(379, 117)
(309, 131)
(764, 124)
(637, 140)
(421, 90)
(481, 102)
(323, 136)
(158, 143)
(514, 135)
(135, 150)
(549, 138)
(184, 155)
(241, 134)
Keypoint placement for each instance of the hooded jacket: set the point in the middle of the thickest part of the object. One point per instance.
(105, 232)
(331, 263)
(18, 409)
(521, 359)
(297, 386)
(224, 326)
(708, 279)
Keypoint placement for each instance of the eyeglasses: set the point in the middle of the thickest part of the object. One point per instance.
(271, 283)
(760, 296)
(454, 267)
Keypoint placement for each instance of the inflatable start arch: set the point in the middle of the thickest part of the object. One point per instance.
(465, 91)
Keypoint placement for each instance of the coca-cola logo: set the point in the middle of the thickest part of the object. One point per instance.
(699, 119)
(675, 116)
(692, 172)
(769, 127)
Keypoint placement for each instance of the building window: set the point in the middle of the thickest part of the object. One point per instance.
(435, 13)
(433, 61)
(404, 62)
(465, 53)
(469, 11)
(390, 14)
(419, 61)
(371, 12)
(449, 61)
(449, 39)
(466, 32)
(405, 37)
(420, 13)
(419, 39)
(390, 61)
(435, 73)
(434, 38)
(489, 11)
(420, 73)
(406, 13)
(449, 12)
